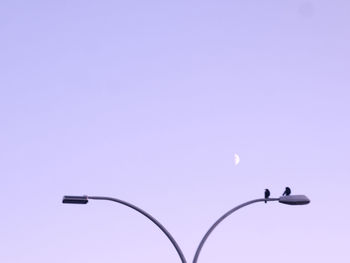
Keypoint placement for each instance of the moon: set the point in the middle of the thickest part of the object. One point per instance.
(236, 159)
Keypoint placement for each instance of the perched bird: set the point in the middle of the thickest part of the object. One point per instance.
(267, 194)
(287, 191)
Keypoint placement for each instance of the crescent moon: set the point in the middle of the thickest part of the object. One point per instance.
(236, 159)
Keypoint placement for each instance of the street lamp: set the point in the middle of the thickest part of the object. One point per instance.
(68, 199)
(288, 200)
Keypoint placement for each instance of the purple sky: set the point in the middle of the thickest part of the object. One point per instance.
(148, 101)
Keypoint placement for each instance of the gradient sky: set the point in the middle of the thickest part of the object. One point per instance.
(148, 101)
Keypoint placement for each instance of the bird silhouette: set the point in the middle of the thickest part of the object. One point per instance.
(287, 191)
(267, 194)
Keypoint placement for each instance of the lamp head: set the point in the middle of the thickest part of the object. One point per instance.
(73, 199)
(294, 200)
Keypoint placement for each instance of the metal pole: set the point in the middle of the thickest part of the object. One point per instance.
(201, 244)
(155, 221)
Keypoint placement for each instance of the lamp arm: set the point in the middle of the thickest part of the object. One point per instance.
(201, 244)
(155, 221)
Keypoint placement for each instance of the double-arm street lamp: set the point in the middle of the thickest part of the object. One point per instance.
(289, 200)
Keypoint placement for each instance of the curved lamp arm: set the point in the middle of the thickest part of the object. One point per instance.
(84, 200)
(201, 244)
(288, 200)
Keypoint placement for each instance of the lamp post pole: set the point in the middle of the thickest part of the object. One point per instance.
(289, 200)
(85, 199)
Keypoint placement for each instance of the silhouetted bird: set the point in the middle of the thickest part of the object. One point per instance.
(267, 194)
(287, 191)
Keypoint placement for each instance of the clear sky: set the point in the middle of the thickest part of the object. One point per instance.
(148, 101)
